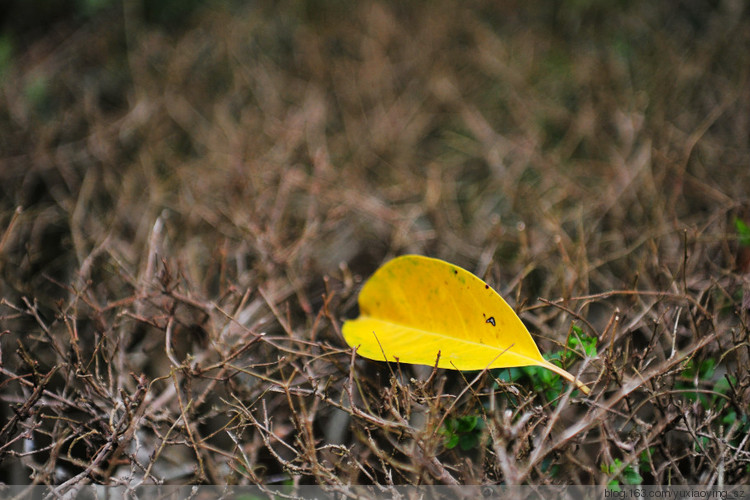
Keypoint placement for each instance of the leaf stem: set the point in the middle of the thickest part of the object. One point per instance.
(566, 375)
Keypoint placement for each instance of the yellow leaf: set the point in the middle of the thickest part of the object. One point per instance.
(415, 308)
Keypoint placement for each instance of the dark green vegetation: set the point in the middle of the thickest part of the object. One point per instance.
(190, 201)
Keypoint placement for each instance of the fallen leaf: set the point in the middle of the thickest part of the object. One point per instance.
(425, 311)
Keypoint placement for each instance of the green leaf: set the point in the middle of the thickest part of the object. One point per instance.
(467, 424)
(631, 476)
(627, 475)
(743, 232)
(469, 441)
(549, 467)
(614, 485)
(645, 458)
(451, 441)
(464, 431)
(578, 340)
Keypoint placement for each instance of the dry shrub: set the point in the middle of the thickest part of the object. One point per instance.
(197, 208)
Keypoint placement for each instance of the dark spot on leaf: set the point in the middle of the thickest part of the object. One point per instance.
(491, 320)
(455, 272)
(486, 287)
